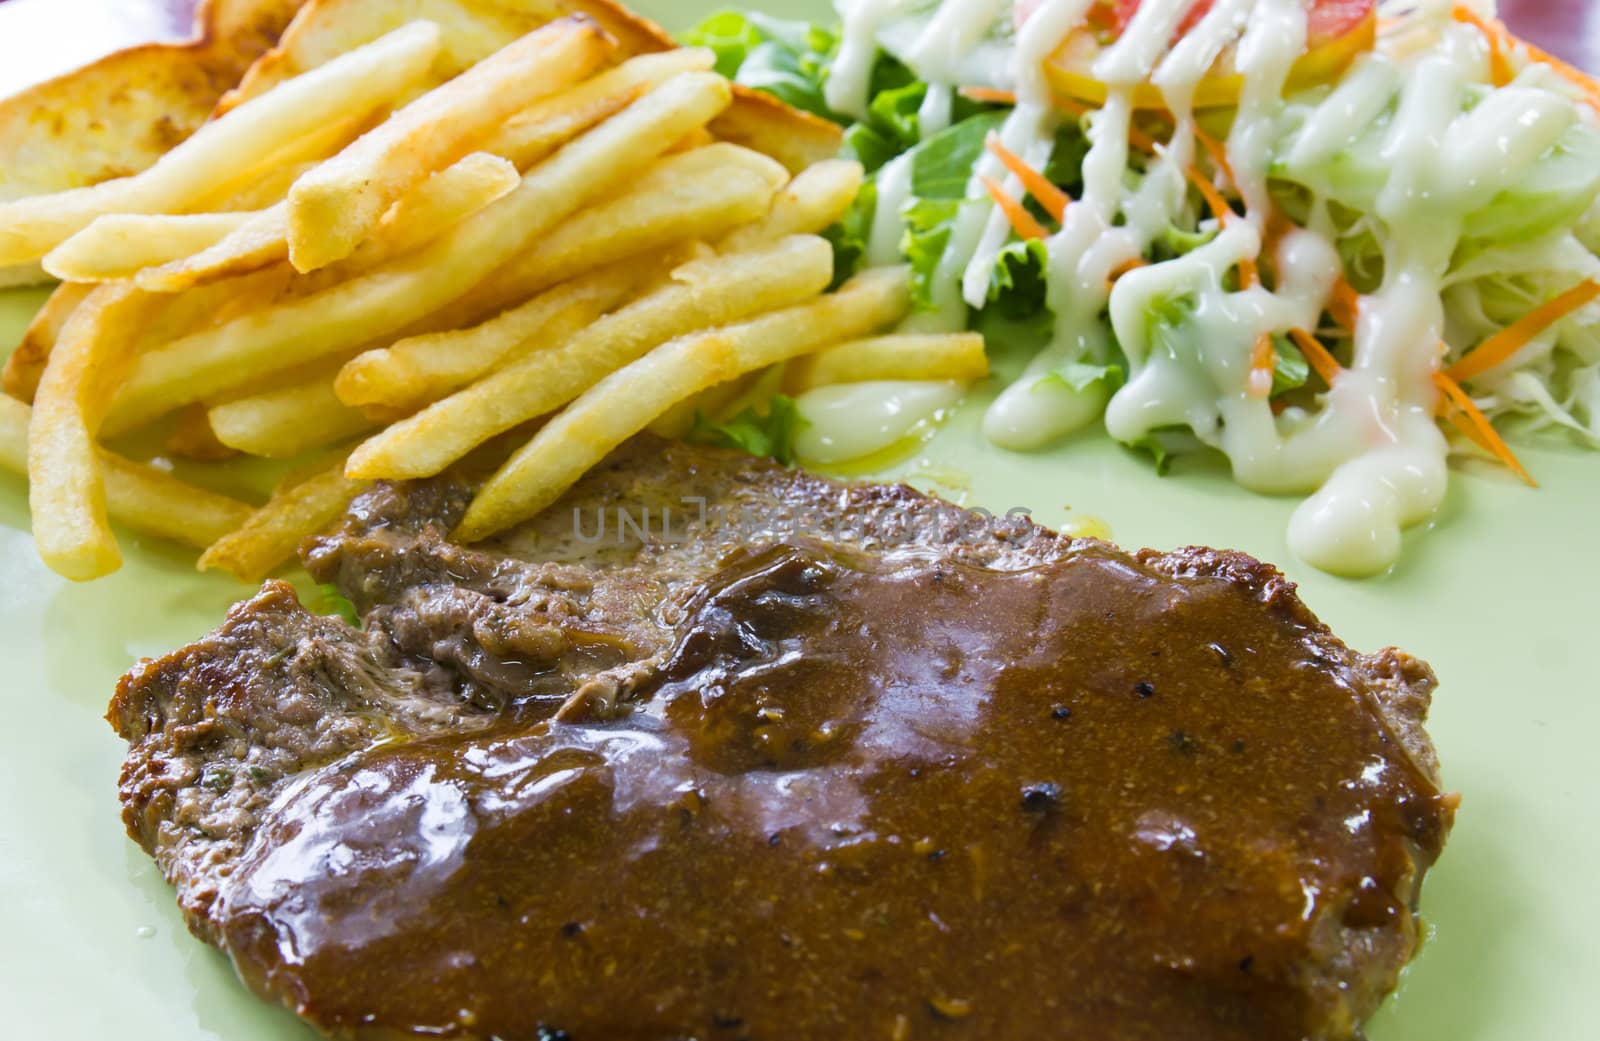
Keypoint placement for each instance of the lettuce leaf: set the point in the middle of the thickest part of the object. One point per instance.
(942, 165)
(1018, 284)
(849, 236)
(329, 601)
(787, 59)
(1292, 370)
(765, 433)
(929, 223)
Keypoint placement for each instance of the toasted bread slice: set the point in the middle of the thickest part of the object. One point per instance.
(474, 29)
(118, 115)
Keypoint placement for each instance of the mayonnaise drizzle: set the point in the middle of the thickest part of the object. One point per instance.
(1370, 455)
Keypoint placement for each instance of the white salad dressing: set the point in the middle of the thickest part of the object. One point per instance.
(851, 420)
(1370, 454)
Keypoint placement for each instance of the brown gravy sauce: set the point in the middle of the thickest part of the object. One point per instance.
(885, 799)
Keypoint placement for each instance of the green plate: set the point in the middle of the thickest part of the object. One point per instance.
(1502, 596)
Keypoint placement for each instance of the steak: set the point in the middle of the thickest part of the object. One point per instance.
(715, 749)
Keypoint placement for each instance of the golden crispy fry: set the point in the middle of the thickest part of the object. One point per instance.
(21, 276)
(410, 287)
(284, 423)
(229, 151)
(471, 31)
(271, 535)
(438, 203)
(817, 197)
(693, 195)
(215, 303)
(422, 369)
(142, 497)
(193, 438)
(119, 245)
(336, 205)
(625, 402)
(949, 356)
(66, 493)
(761, 122)
(703, 294)
(678, 420)
(538, 130)
(257, 243)
(26, 364)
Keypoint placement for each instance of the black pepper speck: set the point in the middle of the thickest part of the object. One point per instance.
(1038, 798)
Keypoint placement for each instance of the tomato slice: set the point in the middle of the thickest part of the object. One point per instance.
(1337, 31)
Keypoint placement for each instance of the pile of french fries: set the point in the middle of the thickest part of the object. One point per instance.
(377, 271)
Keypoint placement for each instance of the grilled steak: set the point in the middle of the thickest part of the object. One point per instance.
(802, 761)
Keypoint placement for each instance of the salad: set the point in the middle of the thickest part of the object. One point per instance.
(1333, 240)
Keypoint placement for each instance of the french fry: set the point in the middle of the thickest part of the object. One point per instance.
(26, 364)
(817, 197)
(20, 276)
(66, 493)
(951, 356)
(538, 130)
(693, 195)
(678, 420)
(271, 535)
(141, 497)
(193, 438)
(336, 205)
(422, 369)
(284, 423)
(216, 303)
(406, 289)
(120, 245)
(706, 293)
(759, 121)
(257, 243)
(228, 152)
(439, 202)
(625, 402)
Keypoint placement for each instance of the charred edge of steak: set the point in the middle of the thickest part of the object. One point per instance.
(217, 728)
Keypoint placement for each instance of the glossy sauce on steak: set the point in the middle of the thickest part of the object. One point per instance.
(806, 788)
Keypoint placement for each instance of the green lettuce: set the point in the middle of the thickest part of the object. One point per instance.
(770, 432)
(929, 223)
(786, 59)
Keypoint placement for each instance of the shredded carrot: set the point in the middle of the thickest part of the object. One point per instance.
(1503, 43)
(1500, 69)
(1141, 140)
(1470, 420)
(1053, 199)
(1346, 303)
(1263, 362)
(1249, 273)
(1072, 106)
(1322, 362)
(1249, 269)
(1503, 345)
(989, 95)
(1208, 191)
(1131, 264)
(1218, 154)
(1022, 222)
